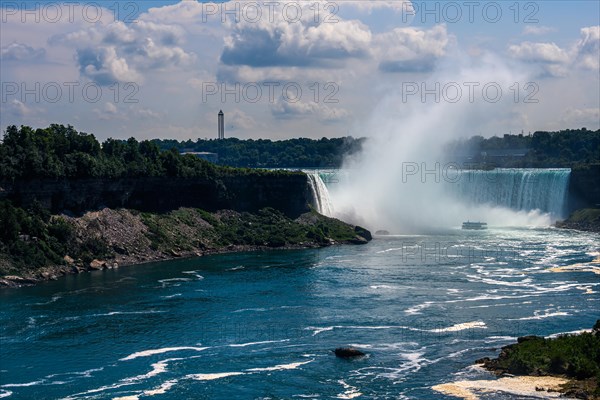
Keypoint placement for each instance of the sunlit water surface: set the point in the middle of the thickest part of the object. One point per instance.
(262, 325)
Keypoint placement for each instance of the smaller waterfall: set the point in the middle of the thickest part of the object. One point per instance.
(320, 193)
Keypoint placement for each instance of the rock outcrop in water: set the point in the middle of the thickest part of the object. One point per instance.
(576, 357)
(348, 352)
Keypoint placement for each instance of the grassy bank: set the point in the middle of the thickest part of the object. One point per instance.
(575, 357)
(37, 245)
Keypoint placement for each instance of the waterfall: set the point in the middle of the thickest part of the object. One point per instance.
(320, 193)
(515, 188)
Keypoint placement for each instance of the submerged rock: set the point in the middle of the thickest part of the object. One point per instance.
(348, 352)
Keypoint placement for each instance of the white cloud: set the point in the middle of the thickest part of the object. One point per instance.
(122, 53)
(411, 49)
(539, 52)
(104, 66)
(556, 61)
(548, 57)
(21, 52)
(588, 48)
(291, 110)
(537, 30)
(305, 43)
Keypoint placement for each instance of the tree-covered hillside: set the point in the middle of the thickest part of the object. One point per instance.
(61, 152)
(292, 153)
(566, 148)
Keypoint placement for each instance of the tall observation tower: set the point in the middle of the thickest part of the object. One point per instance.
(221, 125)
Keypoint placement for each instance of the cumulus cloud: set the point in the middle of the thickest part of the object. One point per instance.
(306, 42)
(556, 61)
(539, 52)
(21, 52)
(588, 48)
(411, 49)
(292, 110)
(104, 66)
(122, 53)
(550, 58)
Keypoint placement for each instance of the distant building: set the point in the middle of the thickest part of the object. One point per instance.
(221, 125)
(212, 157)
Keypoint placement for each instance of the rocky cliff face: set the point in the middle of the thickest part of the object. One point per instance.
(584, 187)
(288, 193)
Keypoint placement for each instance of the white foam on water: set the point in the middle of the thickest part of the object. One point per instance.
(417, 309)
(157, 368)
(538, 315)
(350, 392)
(257, 343)
(316, 330)
(84, 374)
(461, 327)
(171, 296)
(390, 249)
(174, 280)
(392, 287)
(100, 389)
(250, 309)
(195, 273)
(280, 367)
(578, 332)
(111, 313)
(52, 300)
(147, 353)
(210, 377)
(490, 339)
(27, 384)
(362, 346)
(162, 389)
(5, 393)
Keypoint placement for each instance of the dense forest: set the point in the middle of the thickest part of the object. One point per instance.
(62, 152)
(566, 148)
(265, 153)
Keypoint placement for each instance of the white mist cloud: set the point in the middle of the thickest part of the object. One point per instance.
(400, 182)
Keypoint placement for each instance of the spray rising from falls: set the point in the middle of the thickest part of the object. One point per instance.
(391, 187)
(320, 193)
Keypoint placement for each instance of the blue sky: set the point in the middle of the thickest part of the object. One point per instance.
(165, 68)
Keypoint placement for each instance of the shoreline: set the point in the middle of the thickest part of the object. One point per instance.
(558, 366)
(53, 273)
(116, 238)
(530, 386)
